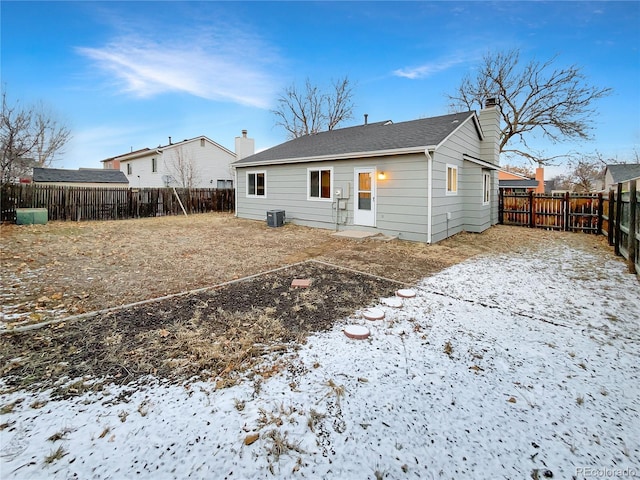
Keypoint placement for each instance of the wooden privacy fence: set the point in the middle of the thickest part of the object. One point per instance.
(568, 212)
(86, 203)
(615, 215)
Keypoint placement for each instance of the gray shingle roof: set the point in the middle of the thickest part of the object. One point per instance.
(517, 183)
(372, 137)
(60, 175)
(622, 173)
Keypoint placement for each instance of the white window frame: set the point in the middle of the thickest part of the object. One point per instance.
(320, 170)
(448, 189)
(256, 172)
(486, 188)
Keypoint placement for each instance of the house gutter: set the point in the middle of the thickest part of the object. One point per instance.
(340, 156)
(429, 192)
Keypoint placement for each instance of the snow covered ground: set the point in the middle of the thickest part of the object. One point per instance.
(513, 367)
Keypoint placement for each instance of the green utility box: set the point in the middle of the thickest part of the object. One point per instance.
(32, 216)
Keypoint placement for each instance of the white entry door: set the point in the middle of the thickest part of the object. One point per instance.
(364, 209)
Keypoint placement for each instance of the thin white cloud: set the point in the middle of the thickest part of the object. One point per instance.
(429, 69)
(203, 64)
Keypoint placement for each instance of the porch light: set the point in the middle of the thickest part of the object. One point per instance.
(381, 176)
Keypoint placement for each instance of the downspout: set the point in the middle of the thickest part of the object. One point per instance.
(429, 192)
(235, 192)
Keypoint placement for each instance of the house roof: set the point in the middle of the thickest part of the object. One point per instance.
(363, 139)
(143, 152)
(623, 173)
(89, 175)
(529, 183)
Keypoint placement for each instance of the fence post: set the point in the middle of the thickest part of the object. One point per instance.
(618, 219)
(611, 223)
(566, 210)
(631, 247)
(532, 222)
(600, 212)
(501, 206)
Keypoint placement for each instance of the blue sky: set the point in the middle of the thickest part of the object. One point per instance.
(127, 75)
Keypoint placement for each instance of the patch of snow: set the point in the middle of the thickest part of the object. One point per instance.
(500, 367)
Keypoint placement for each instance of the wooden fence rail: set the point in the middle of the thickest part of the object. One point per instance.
(615, 215)
(85, 203)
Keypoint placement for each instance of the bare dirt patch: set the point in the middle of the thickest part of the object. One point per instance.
(212, 334)
(61, 269)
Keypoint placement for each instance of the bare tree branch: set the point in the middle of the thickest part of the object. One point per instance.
(311, 111)
(29, 136)
(533, 98)
(182, 168)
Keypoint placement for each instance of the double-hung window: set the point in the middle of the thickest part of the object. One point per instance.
(256, 184)
(452, 180)
(486, 188)
(319, 183)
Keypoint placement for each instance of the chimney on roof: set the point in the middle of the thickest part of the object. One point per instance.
(244, 146)
(366, 118)
(169, 140)
(491, 102)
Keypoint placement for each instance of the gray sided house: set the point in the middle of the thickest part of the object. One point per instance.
(620, 173)
(422, 180)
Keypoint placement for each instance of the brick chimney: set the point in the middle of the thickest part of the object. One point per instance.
(540, 179)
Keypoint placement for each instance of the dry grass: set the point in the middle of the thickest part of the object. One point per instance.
(56, 270)
(66, 268)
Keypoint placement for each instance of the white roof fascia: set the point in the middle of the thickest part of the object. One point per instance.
(130, 157)
(480, 162)
(342, 156)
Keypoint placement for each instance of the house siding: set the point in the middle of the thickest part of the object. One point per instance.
(401, 198)
(211, 161)
(466, 209)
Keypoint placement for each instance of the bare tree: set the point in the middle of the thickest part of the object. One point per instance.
(533, 98)
(29, 136)
(520, 169)
(182, 169)
(309, 110)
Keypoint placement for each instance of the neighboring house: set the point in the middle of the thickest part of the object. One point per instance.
(84, 177)
(421, 180)
(517, 183)
(194, 163)
(615, 174)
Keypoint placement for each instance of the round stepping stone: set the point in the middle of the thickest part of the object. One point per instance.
(373, 314)
(356, 332)
(406, 293)
(394, 302)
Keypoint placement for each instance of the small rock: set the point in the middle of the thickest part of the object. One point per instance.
(249, 439)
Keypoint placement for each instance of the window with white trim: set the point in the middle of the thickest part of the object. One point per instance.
(319, 183)
(256, 184)
(486, 188)
(225, 184)
(452, 180)
(129, 169)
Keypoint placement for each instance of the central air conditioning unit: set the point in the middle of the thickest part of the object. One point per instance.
(275, 218)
